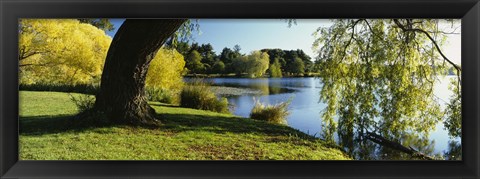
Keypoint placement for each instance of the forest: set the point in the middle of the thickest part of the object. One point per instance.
(202, 59)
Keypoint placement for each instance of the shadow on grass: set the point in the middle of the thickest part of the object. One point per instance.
(175, 123)
(218, 124)
(40, 125)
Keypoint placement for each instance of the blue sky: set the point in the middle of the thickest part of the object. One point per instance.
(256, 34)
(116, 23)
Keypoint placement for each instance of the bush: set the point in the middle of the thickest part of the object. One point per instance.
(166, 70)
(198, 95)
(162, 95)
(271, 113)
(83, 102)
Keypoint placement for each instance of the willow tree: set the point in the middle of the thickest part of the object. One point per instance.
(378, 76)
(122, 90)
(254, 64)
(60, 51)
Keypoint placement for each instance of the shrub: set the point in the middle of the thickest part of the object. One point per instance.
(271, 113)
(198, 95)
(166, 70)
(162, 95)
(83, 102)
(220, 105)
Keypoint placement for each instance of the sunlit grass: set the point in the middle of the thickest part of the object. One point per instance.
(48, 133)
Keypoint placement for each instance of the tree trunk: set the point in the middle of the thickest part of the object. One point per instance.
(122, 95)
(397, 146)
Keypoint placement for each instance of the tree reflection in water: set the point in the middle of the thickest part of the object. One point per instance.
(378, 76)
(454, 151)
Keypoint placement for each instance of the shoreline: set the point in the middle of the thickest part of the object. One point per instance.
(234, 91)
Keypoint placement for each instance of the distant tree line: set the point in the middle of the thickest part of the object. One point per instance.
(201, 59)
(290, 62)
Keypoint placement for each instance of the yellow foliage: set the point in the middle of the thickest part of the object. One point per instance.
(65, 51)
(61, 51)
(166, 70)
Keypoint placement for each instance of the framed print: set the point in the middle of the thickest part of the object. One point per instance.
(244, 89)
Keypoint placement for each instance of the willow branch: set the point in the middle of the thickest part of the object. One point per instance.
(401, 26)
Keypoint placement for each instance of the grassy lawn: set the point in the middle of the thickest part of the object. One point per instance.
(48, 131)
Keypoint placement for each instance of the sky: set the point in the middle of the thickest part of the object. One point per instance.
(257, 34)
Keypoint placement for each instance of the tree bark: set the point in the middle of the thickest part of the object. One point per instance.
(122, 95)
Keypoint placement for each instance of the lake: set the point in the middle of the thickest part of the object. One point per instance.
(305, 107)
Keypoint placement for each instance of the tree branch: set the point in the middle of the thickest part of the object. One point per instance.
(25, 55)
(351, 38)
(39, 64)
(401, 26)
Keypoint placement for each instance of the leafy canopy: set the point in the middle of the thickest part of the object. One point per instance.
(194, 62)
(254, 65)
(61, 51)
(166, 70)
(275, 70)
(66, 51)
(378, 76)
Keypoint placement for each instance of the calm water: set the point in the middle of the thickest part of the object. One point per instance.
(305, 106)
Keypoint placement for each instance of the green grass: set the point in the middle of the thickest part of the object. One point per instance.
(48, 132)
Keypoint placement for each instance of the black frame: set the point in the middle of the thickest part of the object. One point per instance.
(12, 10)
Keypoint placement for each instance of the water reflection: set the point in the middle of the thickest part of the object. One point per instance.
(305, 115)
(265, 85)
(454, 151)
